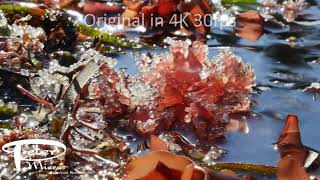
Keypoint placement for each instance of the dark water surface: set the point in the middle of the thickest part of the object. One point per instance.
(282, 72)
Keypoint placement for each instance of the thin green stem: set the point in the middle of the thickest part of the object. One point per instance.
(252, 168)
(239, 2)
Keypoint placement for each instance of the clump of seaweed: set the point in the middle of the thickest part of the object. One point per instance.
(185, 88)
(289, 9)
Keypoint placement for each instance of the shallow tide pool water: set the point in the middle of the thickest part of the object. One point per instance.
(282, 69)
(282, 72)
